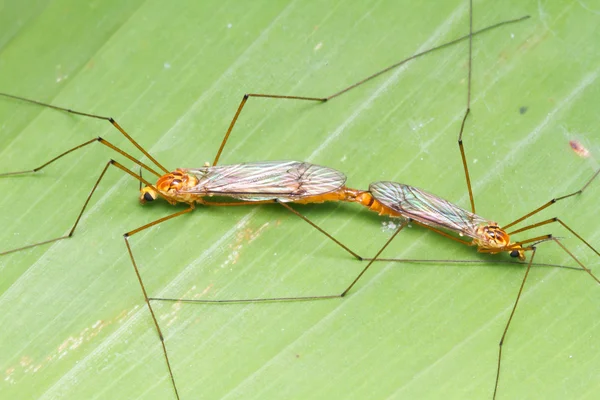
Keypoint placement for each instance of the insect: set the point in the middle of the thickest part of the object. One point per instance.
(579, 149)
(434, 213)
(98, 364)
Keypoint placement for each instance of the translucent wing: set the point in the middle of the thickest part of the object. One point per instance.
(267, 180)
(426, 208)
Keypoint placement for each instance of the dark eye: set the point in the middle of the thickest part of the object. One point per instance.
(148, 197)
(514, 253)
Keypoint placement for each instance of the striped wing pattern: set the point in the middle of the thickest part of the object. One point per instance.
(426, 208)
(267, 180)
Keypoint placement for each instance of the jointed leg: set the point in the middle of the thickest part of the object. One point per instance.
(552, 220)
(126, 236)
(368, 78)
(109, 119)
(553, 201)
(68, 235)
(297, 298)
(355, 255)
(512, 313)
(521, 291)
(468, 110)
(58, 157)
(61, 155)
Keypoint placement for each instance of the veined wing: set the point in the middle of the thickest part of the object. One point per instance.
(267, 180)
(426, 208)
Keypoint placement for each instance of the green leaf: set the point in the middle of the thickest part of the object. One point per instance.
(74, 322)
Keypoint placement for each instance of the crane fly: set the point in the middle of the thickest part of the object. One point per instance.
(433, 212)
(439, 215)
(430, 211)
(412, 204)
(281, 181)
(408, 202)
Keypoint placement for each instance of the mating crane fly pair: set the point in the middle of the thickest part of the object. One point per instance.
(286, 182)
(303, 183)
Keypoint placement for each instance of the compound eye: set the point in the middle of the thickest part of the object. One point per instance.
(148, 197)
(514, 253)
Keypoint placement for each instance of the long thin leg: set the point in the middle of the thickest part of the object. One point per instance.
(126, 236)
(148, 299)
(298, 298)
(463, 156)
(317, 227)
(402, 226)
(68, 235)
(58, 157)
(467, 243)
(512, 313)
(553, 201)
(521, 290)
(556, 219)
(468, 110)
(111, 162)
(576, 259)
(61, 155)
(364, 80)
(109, 119)
(355, 255)
(487, 262)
